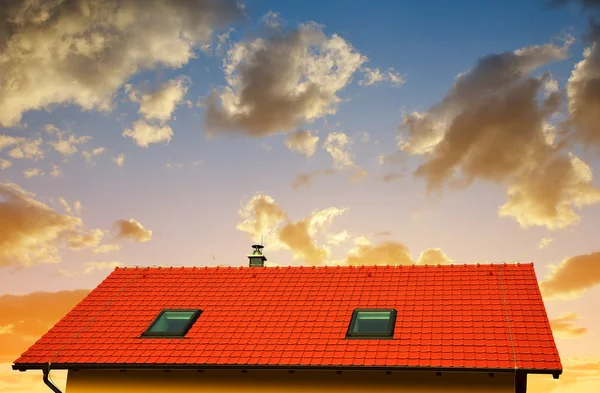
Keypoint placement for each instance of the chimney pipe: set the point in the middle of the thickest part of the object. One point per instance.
(257, 259)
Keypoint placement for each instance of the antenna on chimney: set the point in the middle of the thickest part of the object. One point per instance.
(257, 259)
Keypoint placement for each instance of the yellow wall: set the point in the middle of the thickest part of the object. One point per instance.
(281, 381)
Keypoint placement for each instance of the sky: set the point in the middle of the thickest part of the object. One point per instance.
(179, 133)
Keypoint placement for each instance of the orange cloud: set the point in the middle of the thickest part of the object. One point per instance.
(261, 215)
(384, 253)
(433, 256)
(565, 326)
(492, 126)
(25, 318)
(31, 229)
(132, 229)
(572, 276)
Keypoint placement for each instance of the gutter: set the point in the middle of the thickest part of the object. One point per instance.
(47, 381)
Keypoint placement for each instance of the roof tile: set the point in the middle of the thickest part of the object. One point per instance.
(451, 316)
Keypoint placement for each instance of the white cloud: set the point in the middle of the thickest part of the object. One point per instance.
(88, 155)
(32, 172)
(119, 160)
(374, 76)
(145, 134)
(302, 141)
(161, 103)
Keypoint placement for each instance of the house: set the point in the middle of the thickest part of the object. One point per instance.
(443, 328)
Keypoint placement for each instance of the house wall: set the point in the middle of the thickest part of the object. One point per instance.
(277, 381)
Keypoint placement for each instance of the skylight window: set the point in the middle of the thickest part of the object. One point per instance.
(172, 323)
(372, 323)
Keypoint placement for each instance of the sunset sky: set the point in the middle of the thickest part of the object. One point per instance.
(155, 132)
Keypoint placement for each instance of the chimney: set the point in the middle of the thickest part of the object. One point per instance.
(257, 259)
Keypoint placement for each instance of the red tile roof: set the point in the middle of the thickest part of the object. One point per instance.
(450, 316)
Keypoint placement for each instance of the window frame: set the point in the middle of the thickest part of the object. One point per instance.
(389, 335)
(148, 334)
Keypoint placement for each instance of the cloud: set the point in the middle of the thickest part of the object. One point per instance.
(4, 164)
(338, 238)
(6, 141)
(33, 232)
(572, 276)
(583, 91)
(545, 242)
(272, 20)
(492, 125)
(579, 375)
(302, 141)
(299, 236)
(160, 103)
(384, 253)
(173, 165)
(78, 240)
(364, 136)
(32, 172)
(374, 76)
(26, 318)
(92, 266)
(81, 52)
(306, 179)
(132, 229)
(544, 195)
(564, 326)
(26, 148)
(337, 145)
(65, 205)
(391, 253)
(106, 248)
(119, 160)
(88, 155)
(55, 171)
(261, 215)
(433, 256)
(66, 146)
(275, 84)
(77, 207)
(144, 133)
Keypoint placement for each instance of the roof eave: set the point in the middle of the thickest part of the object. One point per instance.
(139, 366)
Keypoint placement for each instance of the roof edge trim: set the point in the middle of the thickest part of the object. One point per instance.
(133, 366)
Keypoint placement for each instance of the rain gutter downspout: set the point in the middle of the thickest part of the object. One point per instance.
(47, 381)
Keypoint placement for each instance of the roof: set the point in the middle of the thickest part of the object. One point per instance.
(450, 317)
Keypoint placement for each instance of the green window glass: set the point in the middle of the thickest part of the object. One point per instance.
(172, 323)
(372, 323)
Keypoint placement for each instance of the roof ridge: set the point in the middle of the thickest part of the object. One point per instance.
(315, 267)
